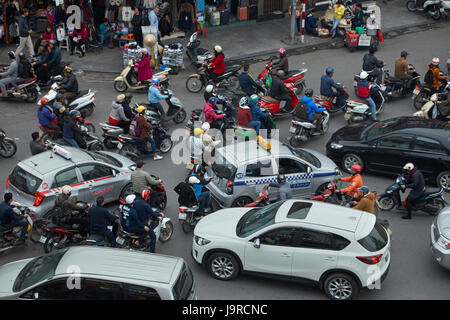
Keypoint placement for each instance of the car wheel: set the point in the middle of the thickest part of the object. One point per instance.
(385, 203)
(241, 202)
(443, 180)
(321, 188)
(167, 232)
(340, 286)
(223, 266)
(349, 160)
(126, 191)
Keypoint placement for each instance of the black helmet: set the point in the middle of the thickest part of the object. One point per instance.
(12, 55)
(128, 96)
(403, 54)
(281, 178)
(309, 92)
(197, 169)
(59, 96)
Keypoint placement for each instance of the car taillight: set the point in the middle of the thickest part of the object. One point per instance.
(7, 183)
(371, 259)
(229, 189)
(39, 197)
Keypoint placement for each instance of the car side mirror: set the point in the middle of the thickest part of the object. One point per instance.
(257, 243)
(308, 170)
(36, 295)
(114, 173)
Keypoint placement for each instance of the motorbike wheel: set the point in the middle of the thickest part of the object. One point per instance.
(120, 86)
(46, 137)
(180, 116)
(37, 232)
(420, 100)
(166, 145)
(436, 13)
(97, 147)
(163, 203)
(32, 95)
(411, 5)
(186, 226)
(385, 203)
(439, 204)
(167, 232)
(8, 148)
(129, 151)
(294, 142)
(90, 127)
(49, 243)
(299, 88)
(108, 143)
(233, 82)
(194, 84)
(326, 127)
(88, 111)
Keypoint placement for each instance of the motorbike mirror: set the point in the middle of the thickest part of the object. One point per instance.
(114, 173)
(257, 243)
(36, 295)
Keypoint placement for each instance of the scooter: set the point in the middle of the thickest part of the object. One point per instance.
(330, 104)
(358, 110)
(434, 8)
(195, 53)
(8, 146)
(430, 110)
(302, 130)
(50, 134)
(9, 236)
(176, 111)
(83, 101)
(88, 141)
(262, 200)
(395, 86)
(297, 77)
(273, 105)
(423, 92)
(28, 89)
(430, 202)
(229, 79)
(125, 81)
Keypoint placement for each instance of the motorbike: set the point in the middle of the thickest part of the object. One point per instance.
(297, 77)
(9, 236)
(273, 105)
(229, 79)
(58, 236)
(125, 81)
(88, 141)
(50, 134)
(434, 8)
(330, 104)
(358, 110)
(345, 24)
(262, 199)
(29, 91)
(176, 111)
(395, 86)
(430, 202)
(302, 130)
(195, 53)
(83, 101)
(423, 92)
(430, 110)
(8, 146)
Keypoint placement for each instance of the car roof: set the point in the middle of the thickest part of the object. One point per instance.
(324, 214)
(430, 128)
(48, 161)
(251, 150)
(119, 263)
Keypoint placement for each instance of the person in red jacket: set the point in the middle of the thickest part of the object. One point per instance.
(217, 64)
(244, 116)
(210, 114)
(49, 34)
(77, 39)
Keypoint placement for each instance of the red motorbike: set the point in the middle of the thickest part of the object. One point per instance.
(330, 106)
(273, 105)
(262, 200)
(28, 89)
(158, 196)
(50, 134)
(297, 77)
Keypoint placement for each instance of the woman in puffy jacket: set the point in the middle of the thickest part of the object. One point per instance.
(143, 67)
(117, 116)
(217, 63)
(210, 114)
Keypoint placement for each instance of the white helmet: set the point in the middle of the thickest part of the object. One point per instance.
(209, 88)
(409, 166)
(363, 75)
(130, 199)
(193, 180)
(205, 126)
(67, 190)
(218, 48)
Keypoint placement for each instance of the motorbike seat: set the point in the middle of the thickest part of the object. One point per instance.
(429, 191)
(95, 238)
(234, 68)
(80, 94)
(360, 101)
(269, 99)
(51, 131)
(292, 73)
(128, 137)
(201, 51)
(129, 234)
(108, 125)
(59, 225)
(395, 79)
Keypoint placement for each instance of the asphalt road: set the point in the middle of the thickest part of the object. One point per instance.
(413, 274)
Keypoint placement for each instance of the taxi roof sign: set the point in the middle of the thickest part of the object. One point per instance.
(62, 152)
(263, 143)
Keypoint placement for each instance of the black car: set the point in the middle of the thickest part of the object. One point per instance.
(385, 147)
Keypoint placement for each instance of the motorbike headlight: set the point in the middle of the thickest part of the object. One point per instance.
(201, 241)
(335, 145)
(444, 243)
(389, 191)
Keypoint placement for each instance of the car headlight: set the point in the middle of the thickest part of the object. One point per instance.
(335, 145)
(444, 243)
(201, 241)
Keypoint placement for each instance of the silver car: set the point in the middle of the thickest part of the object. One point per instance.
(99, 273)
(242, 169)
(440, 238)
(37, 181)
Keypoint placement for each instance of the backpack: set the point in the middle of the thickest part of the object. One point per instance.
(135, 131)
(24, 70)
(429, 78)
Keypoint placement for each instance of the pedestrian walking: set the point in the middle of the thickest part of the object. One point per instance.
(25, 34)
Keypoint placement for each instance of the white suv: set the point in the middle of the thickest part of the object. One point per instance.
(339, 248)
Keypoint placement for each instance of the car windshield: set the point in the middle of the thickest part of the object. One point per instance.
(257, 219)
(24, 181)
(223, 169)
(37, 270)
(305, 155)
(183, 287)
(104, 158)
(381, 128)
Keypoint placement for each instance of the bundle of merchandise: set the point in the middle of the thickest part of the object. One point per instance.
(131, 52)
(173, 55)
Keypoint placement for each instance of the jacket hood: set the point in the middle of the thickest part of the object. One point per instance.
(306, 99)
(370, 196)
(116, 105)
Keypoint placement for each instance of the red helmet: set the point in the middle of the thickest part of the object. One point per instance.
(145, 194)
(281, 51)
(356, 168)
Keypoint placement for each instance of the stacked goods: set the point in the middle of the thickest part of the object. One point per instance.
(131, 52)
(173, 55)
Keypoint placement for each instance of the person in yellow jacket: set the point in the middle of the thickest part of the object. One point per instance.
(339, 11)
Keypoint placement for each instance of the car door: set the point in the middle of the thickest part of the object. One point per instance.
(274, 254)
(389, 154)
(99, 289)
(68, 177)
(98, 181)
(54, 290)
(428, 155)
(297, 174)
(257, 174)
(313, 253)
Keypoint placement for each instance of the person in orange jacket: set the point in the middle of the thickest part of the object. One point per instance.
(438, 85)
(355, 182)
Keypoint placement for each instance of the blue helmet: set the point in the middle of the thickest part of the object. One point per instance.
(254, 98)
(155, 81)
(329, 70)
(364, 189)
(74, 113)
(213, 100)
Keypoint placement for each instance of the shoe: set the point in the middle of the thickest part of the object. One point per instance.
(374, 120)
(408, 217)
(157, 157)
(400, 208)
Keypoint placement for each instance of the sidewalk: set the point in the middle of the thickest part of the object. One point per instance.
(250, 40)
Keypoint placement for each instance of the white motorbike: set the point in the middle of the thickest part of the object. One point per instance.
(83, 101)
(434, 8)
(302, 130)
(358, 110)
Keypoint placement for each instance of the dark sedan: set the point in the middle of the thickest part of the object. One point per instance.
(385, 147)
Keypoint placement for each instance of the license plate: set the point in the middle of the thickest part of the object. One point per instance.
(182, 216)
(292, 129)
(120, 240)
(119, 146)
(42, 239)
(416, 92)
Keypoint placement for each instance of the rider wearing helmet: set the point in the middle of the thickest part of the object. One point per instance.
(8, 219)
(209, 92)
(9, 76)
(283, 63)
(154, 95)
(355, 182)
(372, 65)
(71, 129)
(247, 83)
(210, 114)
(46, 115)
(130, 220)
(279, 91)
(402, 71)
(326, 87)
(143, 67)
(69, 85)
(413, 179)
(367, 202)
(313, 113)
(284, 186)
(64, 206)
(217, 64)
(198, 181)
(146, 133)
(363, 89)
(257, 113)
(244, 115)
(208, 142)
(438, 84)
